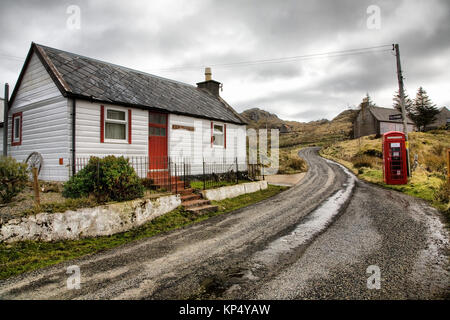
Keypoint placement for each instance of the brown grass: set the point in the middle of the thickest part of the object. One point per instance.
(290, 162)
(364, 161)
(362, 156)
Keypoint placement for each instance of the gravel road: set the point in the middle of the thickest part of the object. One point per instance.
(314, 241)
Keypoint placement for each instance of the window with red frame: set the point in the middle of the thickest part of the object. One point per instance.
(16, 136)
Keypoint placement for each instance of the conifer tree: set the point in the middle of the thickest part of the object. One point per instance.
(408, 103)
(424, 111)
(366, 102)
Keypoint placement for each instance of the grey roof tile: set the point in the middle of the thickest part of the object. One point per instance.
(108, 82)
(382, 114)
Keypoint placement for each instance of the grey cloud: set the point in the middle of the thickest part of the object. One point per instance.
(229, 31)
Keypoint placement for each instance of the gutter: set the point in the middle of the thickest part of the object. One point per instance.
(144, 107)
(74, 109)
(5, 121)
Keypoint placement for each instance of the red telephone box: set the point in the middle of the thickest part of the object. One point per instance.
(395, 170)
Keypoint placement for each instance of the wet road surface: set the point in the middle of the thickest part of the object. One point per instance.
(313, 241)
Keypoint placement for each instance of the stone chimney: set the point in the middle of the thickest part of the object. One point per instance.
(209, 84)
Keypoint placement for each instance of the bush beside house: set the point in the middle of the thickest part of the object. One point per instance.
(108, 179)
(13, 178)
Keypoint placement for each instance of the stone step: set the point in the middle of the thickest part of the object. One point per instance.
(179, 183)
(163, 178)
(195, 203)
(166, 181)
(172, 186)
(203, 209)
(188, 197)
(185, 191)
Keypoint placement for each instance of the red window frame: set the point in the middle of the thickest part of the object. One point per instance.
(224, 135)
(102, 124)
(14, 116)
(129, 126)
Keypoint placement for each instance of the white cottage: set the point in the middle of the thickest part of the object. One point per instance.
(66, 106)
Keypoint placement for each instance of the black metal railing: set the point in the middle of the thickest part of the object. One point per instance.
(173, 174)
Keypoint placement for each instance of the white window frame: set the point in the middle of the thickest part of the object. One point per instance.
(125, 122)
(219, 133)
(18, 125)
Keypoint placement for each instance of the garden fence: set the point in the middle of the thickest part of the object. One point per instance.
(173, 174)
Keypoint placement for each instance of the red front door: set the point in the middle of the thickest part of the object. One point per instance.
(157, 140)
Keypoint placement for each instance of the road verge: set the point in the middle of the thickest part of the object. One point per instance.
(25, 256)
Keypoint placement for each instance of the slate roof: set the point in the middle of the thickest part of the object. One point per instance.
(382, 114)
(86, 78)
(441, 118)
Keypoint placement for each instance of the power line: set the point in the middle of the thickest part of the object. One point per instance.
(311, 58)
(329, 54)
(288, 59)
(4, 56)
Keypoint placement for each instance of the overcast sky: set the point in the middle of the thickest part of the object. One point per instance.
(177, 39)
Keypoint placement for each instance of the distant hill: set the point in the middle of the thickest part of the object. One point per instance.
(295, 133)
(258, 118)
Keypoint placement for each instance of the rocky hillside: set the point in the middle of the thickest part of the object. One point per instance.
(296, 133)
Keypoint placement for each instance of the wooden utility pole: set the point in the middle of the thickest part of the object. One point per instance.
(5, 120)
(402, 104)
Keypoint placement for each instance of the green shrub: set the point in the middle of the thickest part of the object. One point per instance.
(148, 183)
(108, 179)
(13, 178)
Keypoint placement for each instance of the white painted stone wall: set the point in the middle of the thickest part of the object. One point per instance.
(234, 191)
(89, 222)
